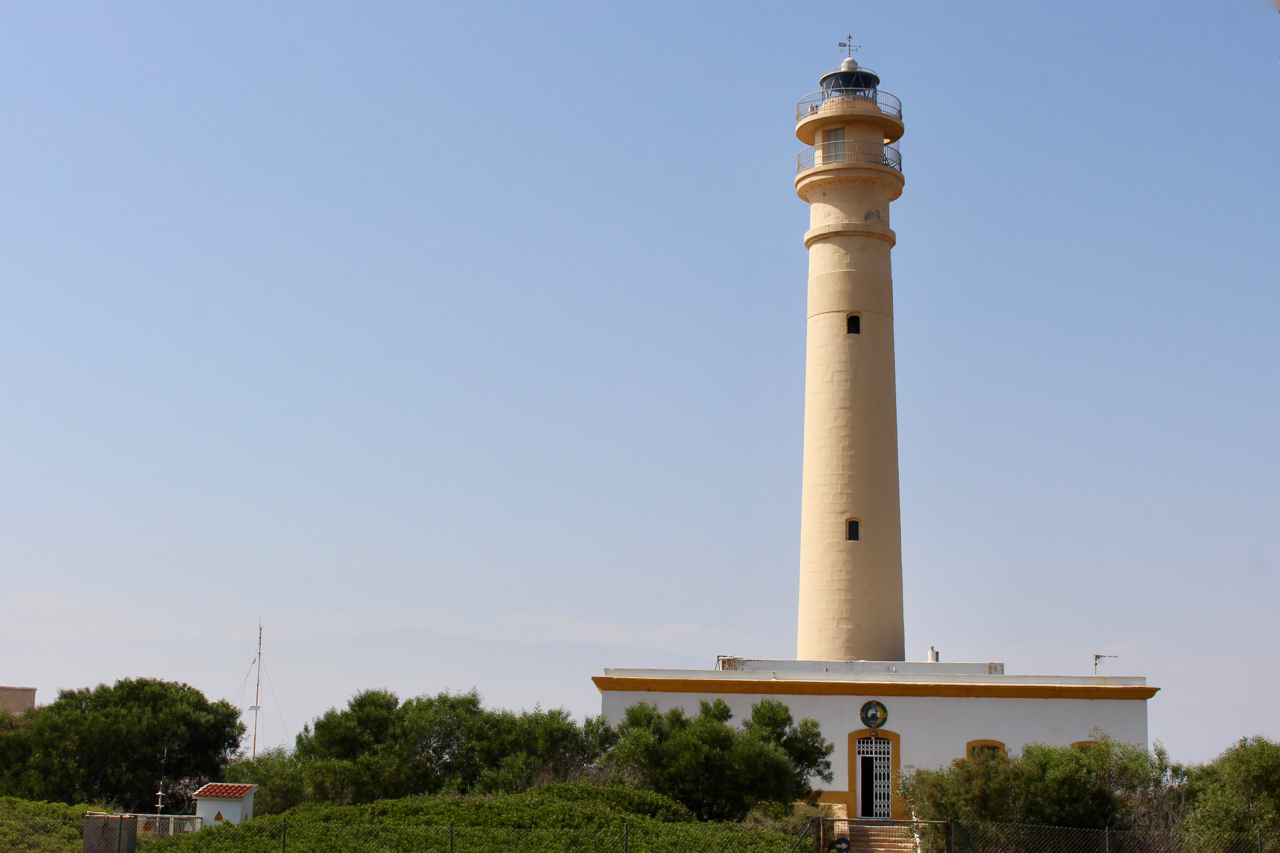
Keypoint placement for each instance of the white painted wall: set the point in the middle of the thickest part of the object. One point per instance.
(933, 730)
(232, 811)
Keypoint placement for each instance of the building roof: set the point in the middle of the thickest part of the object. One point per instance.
(224, 791)
(868, 678)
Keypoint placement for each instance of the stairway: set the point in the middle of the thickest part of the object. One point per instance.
(873, 838)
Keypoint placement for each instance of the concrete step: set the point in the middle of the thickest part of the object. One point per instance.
(877, 839)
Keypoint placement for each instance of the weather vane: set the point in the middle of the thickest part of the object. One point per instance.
(849, 46)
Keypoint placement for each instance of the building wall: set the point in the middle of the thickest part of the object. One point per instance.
(233, 811)
(17, 699)
(932, 731)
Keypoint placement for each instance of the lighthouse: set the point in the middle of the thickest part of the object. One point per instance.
(850, 522)
(884, 715)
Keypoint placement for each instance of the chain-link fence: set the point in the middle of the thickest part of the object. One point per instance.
(285, 836)
(880, 836)
(973, 837)
(277, 835)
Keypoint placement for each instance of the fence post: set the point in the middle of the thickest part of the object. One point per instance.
(450, 836)
(1106, 838)
(624, 838)
(1259, 839)
(951, 834)
(284, 835)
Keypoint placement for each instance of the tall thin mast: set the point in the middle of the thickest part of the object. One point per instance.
(257, 690)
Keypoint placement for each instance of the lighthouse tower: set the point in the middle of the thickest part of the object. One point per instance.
(850, 523)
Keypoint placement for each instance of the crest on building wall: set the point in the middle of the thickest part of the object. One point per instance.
(874, 714)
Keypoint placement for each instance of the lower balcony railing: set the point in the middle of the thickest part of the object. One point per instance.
(837, 153)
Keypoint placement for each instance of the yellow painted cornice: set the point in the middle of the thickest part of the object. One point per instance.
(767, 687)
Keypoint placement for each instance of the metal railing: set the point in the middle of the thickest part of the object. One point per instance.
(976, 837)
(852, 151)
(164, 825)
(847, 99)
(885, 836)
(275, 834)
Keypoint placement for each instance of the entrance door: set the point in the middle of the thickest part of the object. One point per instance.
(875, 776)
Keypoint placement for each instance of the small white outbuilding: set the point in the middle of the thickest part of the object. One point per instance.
(219, 803)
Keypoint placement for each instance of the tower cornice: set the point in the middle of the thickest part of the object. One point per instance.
(845, 174)
(848, 229)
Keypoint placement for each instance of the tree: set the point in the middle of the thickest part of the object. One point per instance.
(717, 771)
(380, 748)
(1239, 791)
(1105, 784)
(114, 744)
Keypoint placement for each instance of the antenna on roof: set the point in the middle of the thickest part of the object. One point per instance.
(849, 46)
(1097, 658)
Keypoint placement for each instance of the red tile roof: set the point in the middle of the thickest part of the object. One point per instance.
(224, 791)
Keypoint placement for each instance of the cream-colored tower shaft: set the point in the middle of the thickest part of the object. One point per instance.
(850, 588)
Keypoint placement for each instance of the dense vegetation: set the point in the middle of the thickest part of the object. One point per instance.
(1238, 792)
(378, 748)
(33, 827)
(1101, 785)
(718, 771)
(113, 744)
(1108, 784)
(549, 819)
(435, 760)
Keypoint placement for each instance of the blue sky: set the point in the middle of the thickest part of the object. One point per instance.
(464, 345)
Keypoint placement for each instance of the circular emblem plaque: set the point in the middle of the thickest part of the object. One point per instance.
(874, 715)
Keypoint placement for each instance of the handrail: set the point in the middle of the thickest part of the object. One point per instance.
(837, 99)
(852, 151)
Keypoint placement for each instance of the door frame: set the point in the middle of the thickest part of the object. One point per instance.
(897, 808)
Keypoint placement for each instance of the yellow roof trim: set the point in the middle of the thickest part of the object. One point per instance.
(767, 687)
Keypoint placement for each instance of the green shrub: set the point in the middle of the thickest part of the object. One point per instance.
(1105, 784)
(27, 826)
(561, 818)
(1239, 791)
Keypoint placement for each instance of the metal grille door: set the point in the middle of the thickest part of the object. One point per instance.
(875, 770)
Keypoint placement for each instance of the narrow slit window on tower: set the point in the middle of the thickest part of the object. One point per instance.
(853, 324)
(851, 533)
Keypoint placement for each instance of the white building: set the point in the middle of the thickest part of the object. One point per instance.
(890, 716)
(222, 802)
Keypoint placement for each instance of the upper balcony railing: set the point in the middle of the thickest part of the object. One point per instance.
(840, 153)
(842, 99)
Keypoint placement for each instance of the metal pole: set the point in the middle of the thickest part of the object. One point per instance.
(804, 833)
(1106, 836)
(951, 832)
(450, 836)
(1259, 839)
(284, 835)
(624, 838)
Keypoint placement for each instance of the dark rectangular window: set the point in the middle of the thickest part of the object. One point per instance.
(854, 324)
(853, 531)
